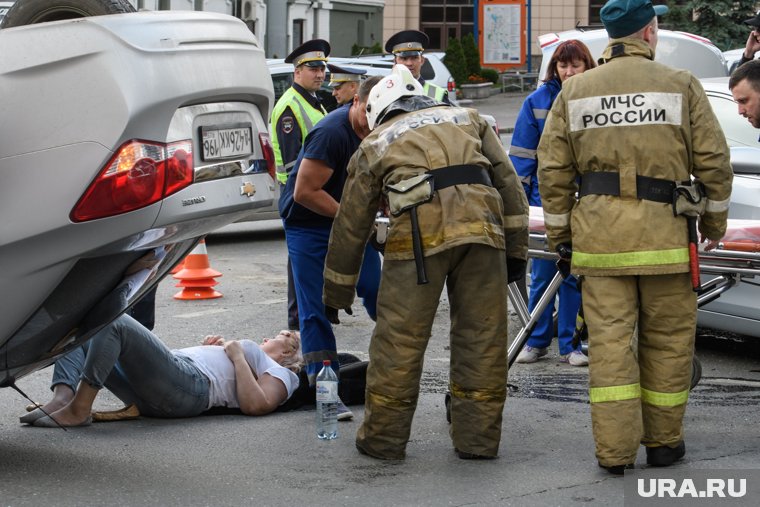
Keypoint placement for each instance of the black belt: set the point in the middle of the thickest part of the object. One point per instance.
(467, 174)
(608, 183)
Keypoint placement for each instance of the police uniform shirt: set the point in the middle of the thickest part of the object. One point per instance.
(288, 130)
(333, 142)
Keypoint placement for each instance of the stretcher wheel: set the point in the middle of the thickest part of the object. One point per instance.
(696, 372)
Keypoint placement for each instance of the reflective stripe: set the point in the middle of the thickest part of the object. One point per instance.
(433, 91)
(540, 114)
(717, 206)
(625, 259)
(515, 221)
(517, 151)
(477, 394)
(664, 399)
(341, 279)
(556, 219)
(614, 393)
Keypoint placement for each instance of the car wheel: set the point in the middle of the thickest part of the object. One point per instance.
(28, 12)
(696, 372)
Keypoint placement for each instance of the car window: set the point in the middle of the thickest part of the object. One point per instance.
(736, 128)
(281, 83)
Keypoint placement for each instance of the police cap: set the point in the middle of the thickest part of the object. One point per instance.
(312, 53)
(340, 75)
(753, 21)
(407, 43)
(625, 17)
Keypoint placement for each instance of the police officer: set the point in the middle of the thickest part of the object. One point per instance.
(293, 116)
(629, 132)
(455, 235)
(345, 82)
(406, 47)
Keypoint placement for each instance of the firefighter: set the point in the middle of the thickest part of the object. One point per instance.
(456, 206)
(293, 116)
(406, 47)
(628, 137)
(345, 82)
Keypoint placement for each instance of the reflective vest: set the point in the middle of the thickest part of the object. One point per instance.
(306, 116)
(434, 92)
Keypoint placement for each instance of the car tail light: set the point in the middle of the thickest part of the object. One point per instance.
(139, 174)
(451, 85)
(268, 150)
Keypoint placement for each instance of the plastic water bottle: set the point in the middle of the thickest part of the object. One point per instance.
(327, 402)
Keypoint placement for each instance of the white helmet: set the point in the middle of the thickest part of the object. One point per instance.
(399, 83)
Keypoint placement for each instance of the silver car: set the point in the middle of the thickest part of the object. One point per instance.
(737, 310)
(123, 139)
(679, 50)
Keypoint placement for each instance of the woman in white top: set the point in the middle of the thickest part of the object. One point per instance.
(139, 369)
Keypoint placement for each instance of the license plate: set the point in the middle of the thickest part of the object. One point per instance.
(225, 142)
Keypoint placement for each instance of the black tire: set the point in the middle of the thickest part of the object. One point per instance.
(29, 12)
(696, 372)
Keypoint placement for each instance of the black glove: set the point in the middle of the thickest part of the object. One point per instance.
(332, 314)
(565, 252)
(515, 269)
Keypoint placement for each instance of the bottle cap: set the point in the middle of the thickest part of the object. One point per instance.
(326, 362)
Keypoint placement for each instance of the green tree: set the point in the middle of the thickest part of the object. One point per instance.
(471, 55)
(455, 61)
(718, 20)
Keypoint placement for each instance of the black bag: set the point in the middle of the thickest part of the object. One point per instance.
(352, 381)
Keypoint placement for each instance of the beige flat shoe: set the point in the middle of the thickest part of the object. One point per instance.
(33, 406)
(122, 414)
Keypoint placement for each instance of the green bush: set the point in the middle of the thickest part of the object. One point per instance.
(471, 55)
(356, 49)
(491, 75)
(455, 61)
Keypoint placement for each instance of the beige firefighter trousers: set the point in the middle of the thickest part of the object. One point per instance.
(476, 282)
(638, 386)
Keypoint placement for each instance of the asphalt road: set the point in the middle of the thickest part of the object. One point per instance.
(546, 454)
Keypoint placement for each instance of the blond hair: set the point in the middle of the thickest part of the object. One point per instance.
(295, 361)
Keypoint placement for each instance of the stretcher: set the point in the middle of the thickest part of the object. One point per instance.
(736, 258)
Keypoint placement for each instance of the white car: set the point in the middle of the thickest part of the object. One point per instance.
(117, 152)
(679, 50)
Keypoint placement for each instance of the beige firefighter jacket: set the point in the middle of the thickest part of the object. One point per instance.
(632, 116)
(409, 145)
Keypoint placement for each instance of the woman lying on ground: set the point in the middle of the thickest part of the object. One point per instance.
(139, 369)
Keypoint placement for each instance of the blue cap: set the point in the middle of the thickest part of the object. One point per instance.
(340, 75)
(312, 53)
(625, 17)
(407, 43)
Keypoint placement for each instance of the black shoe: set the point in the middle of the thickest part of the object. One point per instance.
(617, 469)
(469, 455)
(664, 456)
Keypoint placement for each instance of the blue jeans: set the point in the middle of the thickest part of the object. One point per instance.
(542, 272)
(138, 368)
(307, 248)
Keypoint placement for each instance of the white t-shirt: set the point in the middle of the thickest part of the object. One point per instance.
(212, 360)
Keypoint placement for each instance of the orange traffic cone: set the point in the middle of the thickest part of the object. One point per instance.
(178, 267)
(196, 276)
